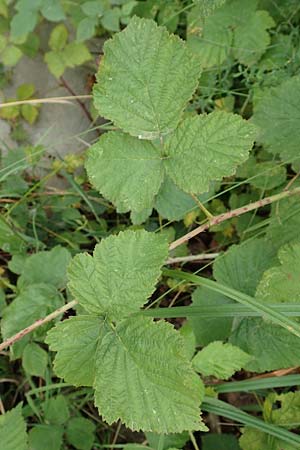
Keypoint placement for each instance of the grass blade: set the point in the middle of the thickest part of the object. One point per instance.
(223, 409)
(266, 311)
(263, 383)
(219, 311)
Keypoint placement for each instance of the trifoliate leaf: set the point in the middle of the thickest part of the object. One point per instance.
(147, 385)
(254, 336)
(277, 113)
(221, 360)
(23, 22)
(126, 170)
(208, 330)
(121, 275)
(75, 341)
(80, 433)
(145, 79)
(280, 284)
(111, 19)
(55, 62)
(243, 265)
(206, 148)
(93, 8)
(75, 54)
(13, 430)
(47, 267)
(251, 38)
(25, 91)
(34, 360)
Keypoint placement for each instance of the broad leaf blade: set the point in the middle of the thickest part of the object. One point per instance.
(75, 341)
(145, 79)
(147, 385)
(126, 170)
(121, 275)
(277, 114)
(206, 148)
(221, 360)
(13, 430)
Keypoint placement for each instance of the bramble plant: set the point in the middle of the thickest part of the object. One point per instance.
(202, 129)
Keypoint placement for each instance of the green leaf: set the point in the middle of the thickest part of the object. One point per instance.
(58, 37)
(174, 440)
(287, 411)
(221, 360)
(39, 435)
(121, 275)
(209, 39)
(206, 148)
(11, 55)
(145, 79)
(10, 241)
(25, 91)
(23, 22)
(86, 28)
(47, 267)
(75, 341)
(56, 410)
(285, 222)
(56, 63)
(80, 433)
(251, 38)
(280, 284)
(151, 386)
(35, 302)
(208, 330)
(127, 171)
(221, 442)
(111, 19)
(34, 360)
(171, 202)
(13, 430)
(253, 439)
(254, 336)
(30, 113)
(268, 175)
(52, 10)
(93, 8)
(243, 265)
(277, 113)
(75, 54)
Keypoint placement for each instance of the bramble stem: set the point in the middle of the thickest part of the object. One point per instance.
(234, 213)
(214, 221)
(16, 337)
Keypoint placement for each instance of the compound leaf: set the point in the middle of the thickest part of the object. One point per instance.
(126, 170)
(13, 430)
(147, 385)
(206, 148)
(145, 79)
(75, 341)
(221, 360)
(121, 275)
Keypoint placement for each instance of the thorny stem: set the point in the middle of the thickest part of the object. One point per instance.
(233, 213)
(37, 324)
(214, 221)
